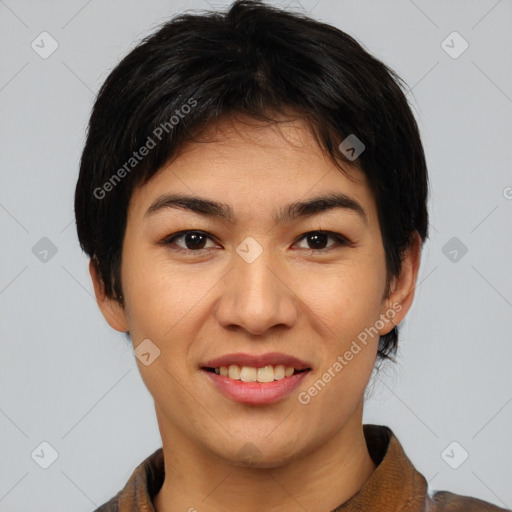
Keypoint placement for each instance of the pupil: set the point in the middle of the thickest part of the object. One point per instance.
(318, 240)
(194, 240)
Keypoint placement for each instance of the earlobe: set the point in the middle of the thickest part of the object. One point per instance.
(404, 285)
(111, 309)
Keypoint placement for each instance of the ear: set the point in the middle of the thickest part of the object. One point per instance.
(111, 309)
(403, 286)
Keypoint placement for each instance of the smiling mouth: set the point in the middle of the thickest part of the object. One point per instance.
(269, 373)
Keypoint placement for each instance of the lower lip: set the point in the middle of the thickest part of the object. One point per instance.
(256, 392)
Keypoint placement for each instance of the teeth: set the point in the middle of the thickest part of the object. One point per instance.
(279, 372)
(234, 372)
(265, 374)
(250, 374)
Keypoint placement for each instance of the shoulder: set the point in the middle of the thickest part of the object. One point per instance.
(444, 501)
(142, 486)
(111, 506)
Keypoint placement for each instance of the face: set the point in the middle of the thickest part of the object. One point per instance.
(267, 277)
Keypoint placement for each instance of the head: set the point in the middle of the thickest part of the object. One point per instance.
(224, 212)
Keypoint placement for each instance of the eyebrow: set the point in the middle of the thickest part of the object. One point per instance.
(292, 211)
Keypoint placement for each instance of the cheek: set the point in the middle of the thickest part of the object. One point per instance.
(348, 300)
(337, 390)
(164, 300)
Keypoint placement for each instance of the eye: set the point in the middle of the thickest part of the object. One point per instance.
(197, 241)
(190, 240)
(318, 240)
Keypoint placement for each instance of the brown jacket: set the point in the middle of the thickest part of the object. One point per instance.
(395, 485)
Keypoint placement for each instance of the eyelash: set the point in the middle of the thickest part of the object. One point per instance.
(341, 241)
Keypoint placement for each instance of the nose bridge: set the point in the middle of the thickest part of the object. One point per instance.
(255, 297)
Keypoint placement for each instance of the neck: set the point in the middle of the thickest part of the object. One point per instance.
(321, 480)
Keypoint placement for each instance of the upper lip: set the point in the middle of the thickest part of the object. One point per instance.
(257, 361)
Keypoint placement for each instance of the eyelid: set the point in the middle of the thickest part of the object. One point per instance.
(341, 240)
(168, 240)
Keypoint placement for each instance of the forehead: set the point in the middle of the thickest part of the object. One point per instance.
(255, 165)
(285, 139)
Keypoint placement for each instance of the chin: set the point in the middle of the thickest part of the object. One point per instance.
(261, 453)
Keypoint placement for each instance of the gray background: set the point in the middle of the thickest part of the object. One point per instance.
(69, 380)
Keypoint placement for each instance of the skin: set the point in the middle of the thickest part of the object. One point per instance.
(195, 306)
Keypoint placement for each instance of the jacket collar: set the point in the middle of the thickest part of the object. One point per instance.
(395, 484)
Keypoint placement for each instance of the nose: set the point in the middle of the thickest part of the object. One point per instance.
(257, 296)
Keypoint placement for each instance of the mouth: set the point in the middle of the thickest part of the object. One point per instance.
(255, 380)
(264, 374)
